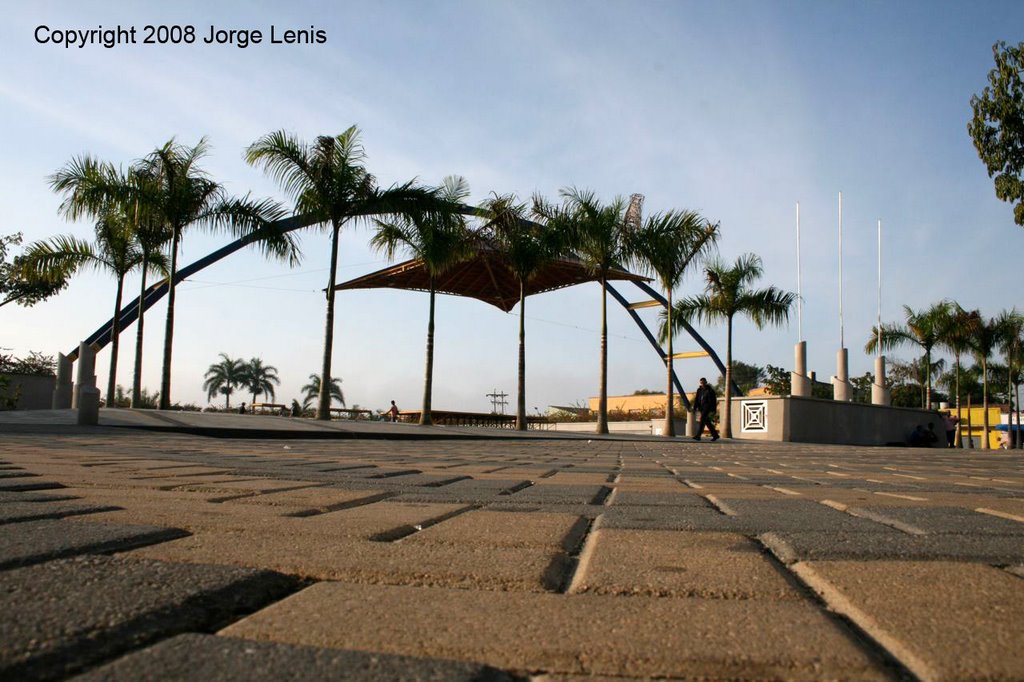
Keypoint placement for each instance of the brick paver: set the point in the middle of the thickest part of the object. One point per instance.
(465, 558)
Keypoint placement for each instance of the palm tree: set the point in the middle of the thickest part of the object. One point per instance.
(525, 248)
(170, 190)
(260, 378)
(921, 329)
(983, 343)
(440, 240)
(728, 294)
(596, 234)
(956, 328)
(114, 251)
(311, 391)
(223, 377)
(328, 182)
(1011, 342)
(665, 246)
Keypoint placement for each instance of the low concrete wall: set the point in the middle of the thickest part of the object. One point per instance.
(812, 420)
(36, 391)
(632, 428)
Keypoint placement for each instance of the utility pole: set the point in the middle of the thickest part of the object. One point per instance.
(496, 400)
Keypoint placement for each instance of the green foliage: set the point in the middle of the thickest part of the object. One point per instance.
(777, 380)
(223, 377)
(997, 127)
(17, 285)
(311, 391)
(746, 377)
(260, 379)
(34, 363)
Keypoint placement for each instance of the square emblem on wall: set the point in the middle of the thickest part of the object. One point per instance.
(754, 418)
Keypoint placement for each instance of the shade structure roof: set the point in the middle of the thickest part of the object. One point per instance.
(484, 277)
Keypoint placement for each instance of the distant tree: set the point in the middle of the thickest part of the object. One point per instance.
(983, 344)
(956, 328)
(223, 377)
(16, 284)
(746, 377)
(311, 391)
(1011, 342)
(727, 295)
(997, 127)
(777, 380)
(260, 378)
(862, 387)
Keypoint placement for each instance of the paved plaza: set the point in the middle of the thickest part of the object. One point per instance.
(398, 552)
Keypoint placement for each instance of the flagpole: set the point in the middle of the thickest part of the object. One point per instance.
(799, 292)
(842, 343)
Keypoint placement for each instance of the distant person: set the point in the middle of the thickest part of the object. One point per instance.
(393, 412)
(705, 402)
(241, 409)
(950, 421)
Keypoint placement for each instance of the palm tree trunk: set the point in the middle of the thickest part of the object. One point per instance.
(928, 379)
(984, 403)
(137, 373)
(1011, 436)
(115, 341)
(323, 407)
(227, 397)
(165, 372)
(428, 380)
(727, 416)
(1020, 434)
(970, 425)
(602, 398)
(521, 385)
(958, 442)
(669, 429)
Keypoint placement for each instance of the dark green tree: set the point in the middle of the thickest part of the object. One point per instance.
(16, 284)
(997, 126)
(311, 392)
(747, 377)
(260, 378)
(223, 377)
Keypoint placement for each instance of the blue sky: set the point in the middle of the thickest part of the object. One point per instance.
(736, 109)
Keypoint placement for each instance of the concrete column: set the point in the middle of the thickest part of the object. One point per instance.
(800, 383)
(62, 390)
(841, 389)
(880, 395)
(691, 424)
(88, 406)
(86, 371)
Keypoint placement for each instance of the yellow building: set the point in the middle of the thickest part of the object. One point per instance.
(637, 404)
(972, 423)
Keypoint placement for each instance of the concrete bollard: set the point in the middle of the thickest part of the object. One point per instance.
(85, 374)
(799, 382)
(880, 395)
(841, 389)
(691, 424)
(63, 388)
(88, 406)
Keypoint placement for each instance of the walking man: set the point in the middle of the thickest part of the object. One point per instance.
(705, 402)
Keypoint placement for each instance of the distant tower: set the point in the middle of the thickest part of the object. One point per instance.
(635, 211)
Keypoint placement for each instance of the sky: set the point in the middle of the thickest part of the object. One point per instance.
(738, 110)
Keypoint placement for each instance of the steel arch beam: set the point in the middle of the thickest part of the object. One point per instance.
(129, 313)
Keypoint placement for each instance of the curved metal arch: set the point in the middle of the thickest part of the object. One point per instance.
(649, 291)
(130, 312)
